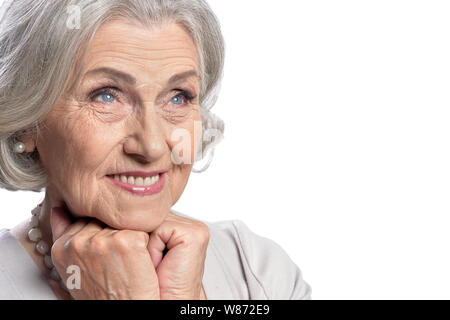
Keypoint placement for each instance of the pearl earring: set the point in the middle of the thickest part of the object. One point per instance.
(19, 147)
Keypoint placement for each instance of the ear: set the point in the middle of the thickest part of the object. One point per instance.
(28, 139)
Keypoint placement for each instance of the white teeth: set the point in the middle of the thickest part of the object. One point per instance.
(147, 181)
(138, 181)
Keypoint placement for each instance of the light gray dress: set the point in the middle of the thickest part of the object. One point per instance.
(239, 265)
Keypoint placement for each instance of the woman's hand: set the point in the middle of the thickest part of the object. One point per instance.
(180, 270)
(114, 264)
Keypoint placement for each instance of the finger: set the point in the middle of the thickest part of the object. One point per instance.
(96, 227)
(82, 229)
(163, 239)
(59, 221)
(64, 225)
(155, 248)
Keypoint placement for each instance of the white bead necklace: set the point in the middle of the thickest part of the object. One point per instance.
(35, 235)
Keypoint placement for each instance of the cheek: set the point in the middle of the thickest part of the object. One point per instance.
(183, 136)
(179, 179)
(184, 139)
(75, 147)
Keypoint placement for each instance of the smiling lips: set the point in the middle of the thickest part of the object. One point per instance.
(139, 183)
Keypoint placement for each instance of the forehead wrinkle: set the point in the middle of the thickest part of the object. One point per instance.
(112, 36)
(153, 67)
(140, 53)
(115, 29)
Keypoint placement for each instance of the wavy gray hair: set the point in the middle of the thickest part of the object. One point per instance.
(38, 52)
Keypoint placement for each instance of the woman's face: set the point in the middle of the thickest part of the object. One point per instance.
(139, 87)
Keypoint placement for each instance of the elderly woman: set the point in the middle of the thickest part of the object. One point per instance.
(105, 104)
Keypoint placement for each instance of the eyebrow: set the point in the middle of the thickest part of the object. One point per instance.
(114, 73)
(131, 80)
(182, 76)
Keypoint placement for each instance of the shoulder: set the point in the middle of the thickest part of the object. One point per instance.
(267, 269)
(19, 276)
(9, 291)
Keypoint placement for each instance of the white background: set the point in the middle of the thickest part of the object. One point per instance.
(337, 127)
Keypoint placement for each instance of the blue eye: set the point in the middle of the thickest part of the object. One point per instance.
(106, 97)
(178, 99)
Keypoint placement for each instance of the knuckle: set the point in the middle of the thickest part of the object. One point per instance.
(99, 244)
(76, 243)
(202, 232)
(123, 240)
(56, 252)
(142, 238)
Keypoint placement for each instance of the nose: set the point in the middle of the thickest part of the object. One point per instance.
(147, 139)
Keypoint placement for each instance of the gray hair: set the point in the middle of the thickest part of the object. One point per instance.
(38, 51)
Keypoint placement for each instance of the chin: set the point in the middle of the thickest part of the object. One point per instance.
(144, 221)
